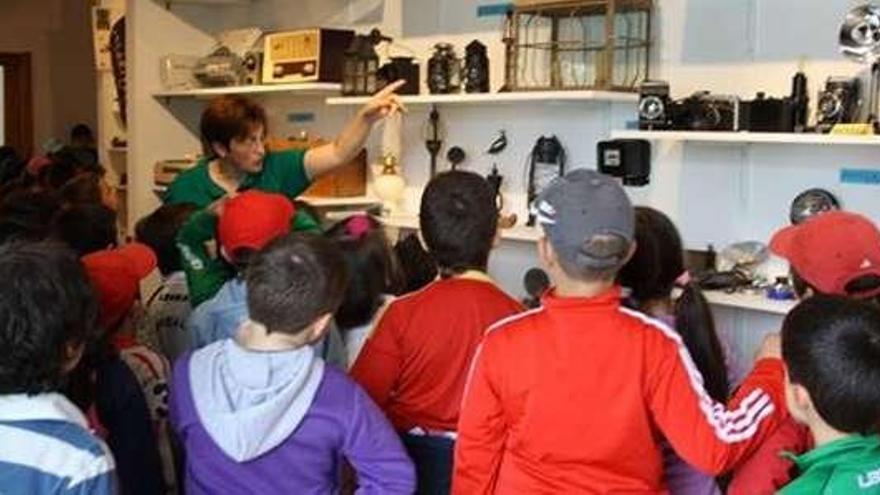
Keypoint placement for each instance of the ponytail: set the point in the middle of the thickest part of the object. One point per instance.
(694, 322)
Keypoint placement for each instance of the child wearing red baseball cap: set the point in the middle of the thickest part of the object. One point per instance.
(836, 254)
(130, 379)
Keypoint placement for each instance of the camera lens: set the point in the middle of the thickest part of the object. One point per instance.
(651, 108)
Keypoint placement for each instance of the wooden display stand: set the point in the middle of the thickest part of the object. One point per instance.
(348, 181)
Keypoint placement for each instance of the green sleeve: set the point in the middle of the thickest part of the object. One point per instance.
(204, 275)
(303, 222)
(289, 170)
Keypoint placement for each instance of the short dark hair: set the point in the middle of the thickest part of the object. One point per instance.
(831, 346)
(372, 266)
(229, 117)
(81, 131)
(86, 227)
(459, 219)
(46, 303)
(84, 188)
(26, 214)
(294, 280)
(159, 229)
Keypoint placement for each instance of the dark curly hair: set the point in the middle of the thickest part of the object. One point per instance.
(46, 304)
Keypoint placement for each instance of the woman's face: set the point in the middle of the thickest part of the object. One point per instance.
(247, 152)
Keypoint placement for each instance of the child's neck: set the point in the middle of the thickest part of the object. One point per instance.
(226, 174)
(568, 287)
(256, 337)
(824, 434)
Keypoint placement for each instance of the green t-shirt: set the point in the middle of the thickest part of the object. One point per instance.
(283, 172)
(850, 465)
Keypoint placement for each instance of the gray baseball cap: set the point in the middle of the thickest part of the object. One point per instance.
(579, 206)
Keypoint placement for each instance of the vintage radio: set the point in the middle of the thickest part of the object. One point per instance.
(308, 55)
(348, 181)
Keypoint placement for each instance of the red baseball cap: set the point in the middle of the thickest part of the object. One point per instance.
(116, 275)
(831, 250)
(252, 219)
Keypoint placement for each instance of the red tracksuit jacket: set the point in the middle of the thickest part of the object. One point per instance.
(573, 397)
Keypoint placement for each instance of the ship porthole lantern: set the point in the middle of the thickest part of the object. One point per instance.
(444, 70)
(476, 68)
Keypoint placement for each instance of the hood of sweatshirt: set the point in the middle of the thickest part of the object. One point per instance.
(248, 401)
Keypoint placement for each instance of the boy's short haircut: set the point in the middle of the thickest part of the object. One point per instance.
(26, 214)
(230, 117)
(459, 220)
(86, 227)
(589, 221)
(159, 231)
(294, 280)
(831, 346)
(46, 304)
(84, 188)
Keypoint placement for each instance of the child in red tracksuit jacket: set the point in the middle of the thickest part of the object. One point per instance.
(834, 253)
(574, 396)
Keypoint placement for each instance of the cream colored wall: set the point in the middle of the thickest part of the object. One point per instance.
(57, 33)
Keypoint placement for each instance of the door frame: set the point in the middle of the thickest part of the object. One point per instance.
(18, 102)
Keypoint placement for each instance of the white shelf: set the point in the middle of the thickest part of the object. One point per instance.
(518, 233)
(749, 301)
(294, 88)
(330, 202)
(499, 98)
(750, 137)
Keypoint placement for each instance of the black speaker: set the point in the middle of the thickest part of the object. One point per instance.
(629, 159)
(654, 105)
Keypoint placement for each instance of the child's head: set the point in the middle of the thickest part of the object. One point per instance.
(652, 273)
(372, 266)
(295, 284)
(833, 253)
(459, 221)
(588, 222)
(116, 275)
(89, 187)
(159, 229)
(48, 312)
(658, 260)
(831, 348)
(26, 214)
(250, 221)
(86, 227)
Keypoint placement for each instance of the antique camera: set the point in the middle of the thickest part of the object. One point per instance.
(654, 105)
(703, 111)
(629, 159)
(765, 114)
(838, 103)
(220, 68)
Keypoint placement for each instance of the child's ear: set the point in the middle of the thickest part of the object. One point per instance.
(73, 352)
(546, 254)
(319, 327)
(799, 403)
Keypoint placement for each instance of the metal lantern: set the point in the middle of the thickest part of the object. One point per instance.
(577, 44)
(359, 67)
(476, 68)
(444, 70)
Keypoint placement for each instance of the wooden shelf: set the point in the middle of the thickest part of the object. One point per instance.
(305, 89)
(749, 137)
(331, 202)
(499, 98)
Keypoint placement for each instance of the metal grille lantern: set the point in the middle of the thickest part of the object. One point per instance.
(359, 67)
(577, 44)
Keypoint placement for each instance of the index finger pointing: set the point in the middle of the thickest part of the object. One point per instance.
(387, 90)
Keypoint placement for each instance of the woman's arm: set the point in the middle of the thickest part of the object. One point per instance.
(348, 143)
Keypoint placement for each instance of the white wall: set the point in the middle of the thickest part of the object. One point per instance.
(716, 193)
(58, 35)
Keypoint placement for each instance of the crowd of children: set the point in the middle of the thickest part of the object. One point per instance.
(312, 361)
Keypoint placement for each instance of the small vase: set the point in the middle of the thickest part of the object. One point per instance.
(389, 185)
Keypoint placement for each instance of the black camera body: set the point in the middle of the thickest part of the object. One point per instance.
(765, 114)
(654, 102)
(838, 103)
(703, 111)
(629, 159)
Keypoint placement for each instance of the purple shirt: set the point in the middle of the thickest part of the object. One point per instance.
(341, 423)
